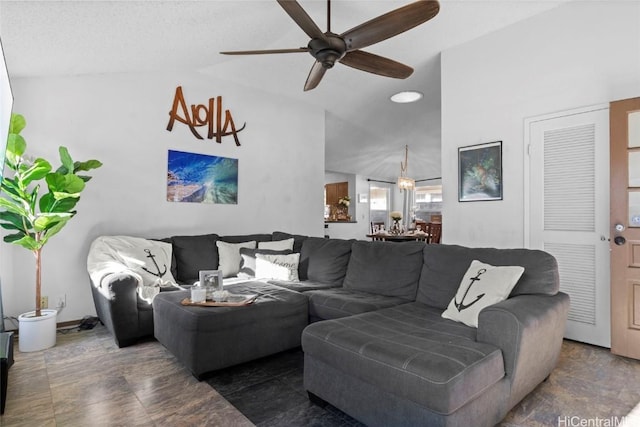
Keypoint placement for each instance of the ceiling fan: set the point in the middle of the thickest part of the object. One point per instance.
(328, 47)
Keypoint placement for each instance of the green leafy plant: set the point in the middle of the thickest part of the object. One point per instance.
(33, 218)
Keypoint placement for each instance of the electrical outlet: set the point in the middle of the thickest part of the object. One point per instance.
(44, 302)
(61, 301)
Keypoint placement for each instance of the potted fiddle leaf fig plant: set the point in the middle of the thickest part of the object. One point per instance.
(33, 218)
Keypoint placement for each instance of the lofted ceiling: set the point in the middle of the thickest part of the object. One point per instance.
(365, 132)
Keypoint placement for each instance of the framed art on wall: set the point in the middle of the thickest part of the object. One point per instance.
(480, 172)
(200, 178)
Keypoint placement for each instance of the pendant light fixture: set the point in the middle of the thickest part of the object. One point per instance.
(404, 182)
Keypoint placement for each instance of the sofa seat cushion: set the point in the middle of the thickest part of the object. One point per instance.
(339, 302)
(301, 286)
(409, 351)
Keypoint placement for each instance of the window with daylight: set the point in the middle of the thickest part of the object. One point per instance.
(428, 202)
(379, 204)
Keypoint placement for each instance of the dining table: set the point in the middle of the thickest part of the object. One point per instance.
(404, 237)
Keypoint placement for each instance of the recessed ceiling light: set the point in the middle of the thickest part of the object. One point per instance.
(406, 96)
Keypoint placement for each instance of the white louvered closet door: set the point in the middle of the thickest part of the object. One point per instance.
(568, 212)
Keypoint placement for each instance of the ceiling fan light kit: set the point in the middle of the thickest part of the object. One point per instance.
(327, 48)
(406, 97)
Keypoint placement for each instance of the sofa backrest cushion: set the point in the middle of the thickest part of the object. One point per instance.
(324, 260)
(297, 239)
(445, 265)
(194, 253)
(385, 268)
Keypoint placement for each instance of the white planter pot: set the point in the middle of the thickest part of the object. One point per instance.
(37, 333)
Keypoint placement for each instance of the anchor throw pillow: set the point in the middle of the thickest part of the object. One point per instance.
(482, 285)
(150, 259)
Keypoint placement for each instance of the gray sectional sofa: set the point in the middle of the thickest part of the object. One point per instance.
(377, 346)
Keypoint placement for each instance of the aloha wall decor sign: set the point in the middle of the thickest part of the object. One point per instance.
(210, 115)
(480, 172)
(199, 178)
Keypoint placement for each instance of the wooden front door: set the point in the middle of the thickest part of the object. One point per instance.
(625, 227)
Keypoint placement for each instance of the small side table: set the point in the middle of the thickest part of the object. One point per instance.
(6, 360)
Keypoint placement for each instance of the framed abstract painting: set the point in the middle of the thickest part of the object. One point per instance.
(480, 172)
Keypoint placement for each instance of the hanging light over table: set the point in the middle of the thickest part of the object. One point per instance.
(404, 182)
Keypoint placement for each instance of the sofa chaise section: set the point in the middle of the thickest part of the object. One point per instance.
(406, 365)
(408, 355)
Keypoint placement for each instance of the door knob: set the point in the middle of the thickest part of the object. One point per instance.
(619, 240)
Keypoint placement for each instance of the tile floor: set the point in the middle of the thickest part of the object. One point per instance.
(588, 384)
(87, 380)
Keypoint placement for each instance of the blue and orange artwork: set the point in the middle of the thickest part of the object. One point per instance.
(199, 178)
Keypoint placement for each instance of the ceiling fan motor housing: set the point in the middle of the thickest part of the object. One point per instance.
(327, 51)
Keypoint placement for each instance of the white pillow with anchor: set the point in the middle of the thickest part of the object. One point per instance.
(482, 285)
(150, 259)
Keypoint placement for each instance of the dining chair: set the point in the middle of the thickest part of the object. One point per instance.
(434, 232)
(422, 224)
(380, 225)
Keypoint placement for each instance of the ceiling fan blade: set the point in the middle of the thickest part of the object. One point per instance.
(390, 24)
(265, 52)
(315, 75)
(304, 21)
(375, 64)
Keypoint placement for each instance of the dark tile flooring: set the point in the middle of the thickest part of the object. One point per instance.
(589, 385)
(269, 392)
(86, 380)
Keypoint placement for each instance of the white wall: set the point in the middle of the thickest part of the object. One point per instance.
(121, 120)
(579, 54)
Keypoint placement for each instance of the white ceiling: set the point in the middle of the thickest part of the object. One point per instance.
(365, 132)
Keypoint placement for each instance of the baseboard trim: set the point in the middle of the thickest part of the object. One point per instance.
(69, 323)
(59, 325)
